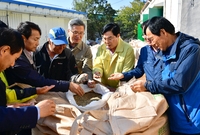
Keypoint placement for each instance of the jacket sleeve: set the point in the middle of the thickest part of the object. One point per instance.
(138, 71)
(129, 60)
(72, 61)
(87, 64)
(186, 70)
(15, 119)
(98, 66)
(20, 95)
(23, 72)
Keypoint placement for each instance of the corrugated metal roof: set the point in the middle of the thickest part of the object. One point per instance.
(42, 5)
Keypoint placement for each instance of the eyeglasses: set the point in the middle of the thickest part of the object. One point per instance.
(148, 39)
(77, 33)
(144, 36)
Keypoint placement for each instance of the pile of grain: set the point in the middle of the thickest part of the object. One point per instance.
(87, 98)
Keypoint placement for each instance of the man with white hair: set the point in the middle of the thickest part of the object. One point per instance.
(81, 51)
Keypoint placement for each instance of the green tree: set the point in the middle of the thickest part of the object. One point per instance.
(99, 13)
(128, 18)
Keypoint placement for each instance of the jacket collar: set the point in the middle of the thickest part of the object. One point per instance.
(29, 56)
(170, 53)
(44, 50)
(78, 46)
(181, 41)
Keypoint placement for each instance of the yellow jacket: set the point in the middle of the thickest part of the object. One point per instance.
(11, 94)
(122, 60)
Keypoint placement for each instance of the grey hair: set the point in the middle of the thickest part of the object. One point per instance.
(75, 21)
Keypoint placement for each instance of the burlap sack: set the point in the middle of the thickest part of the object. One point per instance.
(129, 113)
(94, 105)
(59, 123)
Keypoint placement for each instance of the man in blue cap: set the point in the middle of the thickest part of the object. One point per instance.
(24, 70)
(55, 61)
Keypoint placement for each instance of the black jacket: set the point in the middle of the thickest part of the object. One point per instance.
(24, 72)
(3, 100)
(63, 67)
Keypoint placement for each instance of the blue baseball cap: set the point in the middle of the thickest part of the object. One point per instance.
(58, 36)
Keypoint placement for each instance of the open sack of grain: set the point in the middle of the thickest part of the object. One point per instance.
(94, 98)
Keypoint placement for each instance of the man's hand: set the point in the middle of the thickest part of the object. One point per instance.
(138, 86)
(116, 76)
(91, 83)
(46, 107)
(82, 78)
(97, 75)
(42, 90)
(76, 88)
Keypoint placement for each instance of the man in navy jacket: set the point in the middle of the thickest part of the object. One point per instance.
(12, 119)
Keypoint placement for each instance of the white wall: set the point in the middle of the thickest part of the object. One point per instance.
(45, 23)
(190, 18)
(183, 14)
(172, 11)
(13, 14)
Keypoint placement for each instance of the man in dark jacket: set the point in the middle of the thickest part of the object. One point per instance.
(55, 61)
(12, 119)
(24, 70)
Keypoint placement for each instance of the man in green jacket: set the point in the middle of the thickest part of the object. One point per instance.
(114, 55)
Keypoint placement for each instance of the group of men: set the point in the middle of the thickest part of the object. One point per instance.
(15, 119)
(170, 62)
(58, 65)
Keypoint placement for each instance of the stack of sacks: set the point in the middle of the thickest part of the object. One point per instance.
(94, 50)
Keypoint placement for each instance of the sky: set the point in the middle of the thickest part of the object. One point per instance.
(116, 4)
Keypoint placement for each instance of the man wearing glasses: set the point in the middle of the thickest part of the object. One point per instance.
(54, 61)
(147, 64)
(80, 50)
(114, 55)
(179, 76)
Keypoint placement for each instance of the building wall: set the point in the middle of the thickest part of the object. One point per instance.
(190, 18)
(172, 11)
(45, 18)
(47, 23)
(183, 14)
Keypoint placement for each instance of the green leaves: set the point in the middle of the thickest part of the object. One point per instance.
(100, 12)
(128, 18)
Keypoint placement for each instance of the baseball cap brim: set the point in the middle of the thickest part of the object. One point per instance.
(59, 42)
